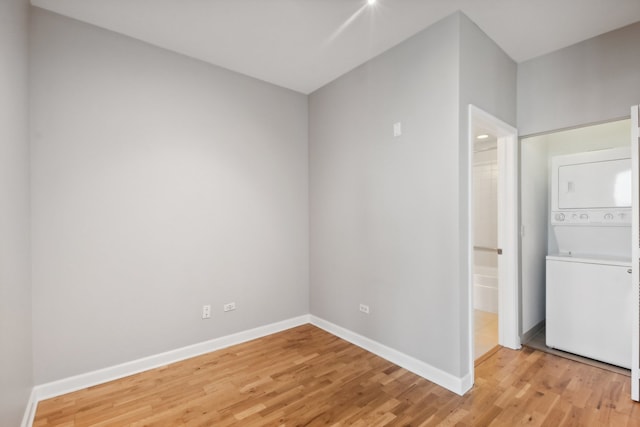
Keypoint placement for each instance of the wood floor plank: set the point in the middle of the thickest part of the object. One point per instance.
(307, 377)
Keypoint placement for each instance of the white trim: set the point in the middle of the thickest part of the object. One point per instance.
(508, 233)
(635, 253)
(470, 250)
(30, 411)
(458, 385)
(79, 382)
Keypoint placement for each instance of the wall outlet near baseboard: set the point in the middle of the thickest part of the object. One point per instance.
(206, 311)
(230, 306)
(364, 308)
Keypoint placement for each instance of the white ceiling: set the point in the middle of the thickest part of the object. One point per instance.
(304, 44)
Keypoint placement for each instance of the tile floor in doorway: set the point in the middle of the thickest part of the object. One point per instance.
(486, 332)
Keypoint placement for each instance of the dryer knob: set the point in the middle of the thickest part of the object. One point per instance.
(584, 216)
(608, 216)
(559, 217)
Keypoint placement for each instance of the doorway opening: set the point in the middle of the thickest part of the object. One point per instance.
(547, 244)
(538, 239)
(499, 251)
(485, 242)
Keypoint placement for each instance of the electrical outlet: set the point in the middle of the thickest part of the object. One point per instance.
(229, 306)
(364, 308)
(206, 311)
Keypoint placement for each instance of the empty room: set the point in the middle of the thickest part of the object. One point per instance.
(309, 212)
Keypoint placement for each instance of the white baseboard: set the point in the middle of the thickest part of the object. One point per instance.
(30, 411)
(79, 382)
(444, 379)
(527, 336)
(89, 379)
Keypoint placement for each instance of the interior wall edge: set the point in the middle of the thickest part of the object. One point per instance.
(30, 410)
(16, 356)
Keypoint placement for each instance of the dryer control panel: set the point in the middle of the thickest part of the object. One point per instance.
(620, 217)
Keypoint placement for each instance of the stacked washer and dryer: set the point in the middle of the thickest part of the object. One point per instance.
(589, 290)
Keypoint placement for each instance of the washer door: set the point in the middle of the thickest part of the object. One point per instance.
(588, 310)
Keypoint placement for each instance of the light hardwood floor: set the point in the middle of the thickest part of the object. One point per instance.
(307, 377)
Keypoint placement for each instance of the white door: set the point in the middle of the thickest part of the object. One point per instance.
(635, 254)
(508, 326)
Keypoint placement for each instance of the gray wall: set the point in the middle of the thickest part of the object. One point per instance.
(160, 184)
(376, 235)
(388, 215)
(15, 288)
(488, 76)
(534, 209)
(592, 81)
(488, 80)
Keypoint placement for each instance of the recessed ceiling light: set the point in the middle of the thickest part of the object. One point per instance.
(371, 2)
(483, 136)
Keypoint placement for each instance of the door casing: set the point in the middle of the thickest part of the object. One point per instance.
(635, 253)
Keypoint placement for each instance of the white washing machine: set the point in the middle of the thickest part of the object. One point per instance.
(589, 289)
(589, 307)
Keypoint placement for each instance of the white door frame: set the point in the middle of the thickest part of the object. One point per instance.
(635, 253)
(508, 229)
